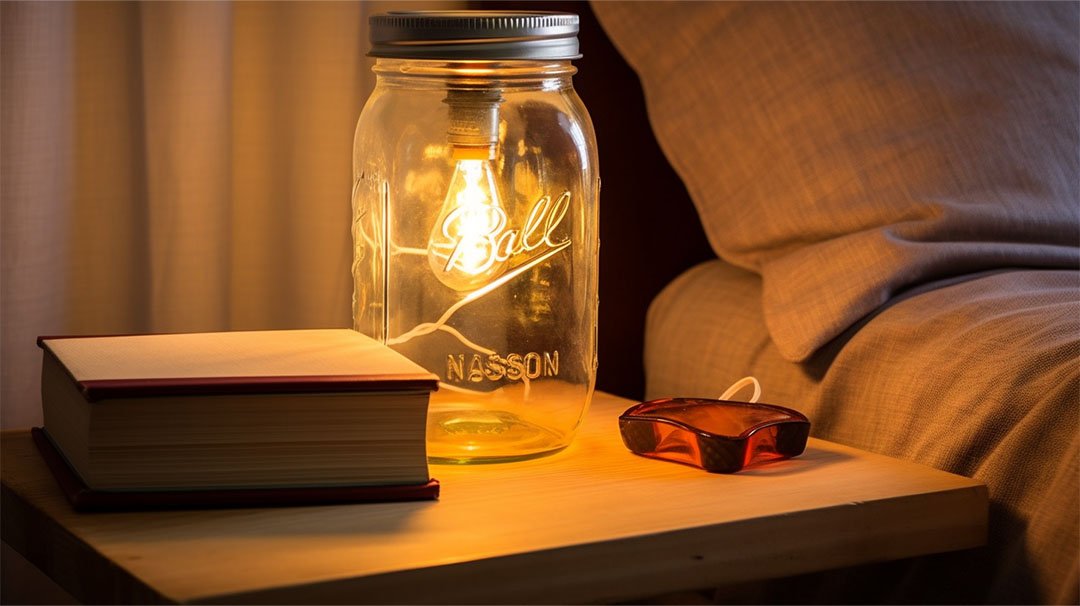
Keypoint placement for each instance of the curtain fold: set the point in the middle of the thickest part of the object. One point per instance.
(174, 166)
(36, 183)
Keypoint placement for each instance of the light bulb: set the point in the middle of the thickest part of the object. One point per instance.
(462, 247)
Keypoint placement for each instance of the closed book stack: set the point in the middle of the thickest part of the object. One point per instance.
(234, 418)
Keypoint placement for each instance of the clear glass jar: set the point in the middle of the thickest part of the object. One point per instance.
(475, 230)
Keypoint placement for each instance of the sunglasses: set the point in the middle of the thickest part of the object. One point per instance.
(719, 436)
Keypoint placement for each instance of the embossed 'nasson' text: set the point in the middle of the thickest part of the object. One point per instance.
(477, 368)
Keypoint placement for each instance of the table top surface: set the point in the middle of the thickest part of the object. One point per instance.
(591, 523)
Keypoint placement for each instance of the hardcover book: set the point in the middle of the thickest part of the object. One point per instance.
(212, 415)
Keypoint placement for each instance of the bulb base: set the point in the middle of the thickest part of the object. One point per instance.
(474, 123)
(472, 152)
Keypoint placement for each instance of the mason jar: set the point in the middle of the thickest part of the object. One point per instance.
(475, 225)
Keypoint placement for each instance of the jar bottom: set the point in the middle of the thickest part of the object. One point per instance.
(487, 436)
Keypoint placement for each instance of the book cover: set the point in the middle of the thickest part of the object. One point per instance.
(234, 363)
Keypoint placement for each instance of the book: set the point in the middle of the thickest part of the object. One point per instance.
(283, 412)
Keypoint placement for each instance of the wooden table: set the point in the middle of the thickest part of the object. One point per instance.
(593, 523)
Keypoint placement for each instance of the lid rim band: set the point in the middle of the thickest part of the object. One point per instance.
(484, 35)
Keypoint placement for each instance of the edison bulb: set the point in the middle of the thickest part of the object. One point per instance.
(462, 247)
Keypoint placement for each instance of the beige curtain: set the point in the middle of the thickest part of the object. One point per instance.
(173, 167)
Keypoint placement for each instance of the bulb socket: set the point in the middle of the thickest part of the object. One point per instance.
(473, 132)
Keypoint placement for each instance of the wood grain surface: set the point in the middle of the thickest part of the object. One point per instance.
(592, 523)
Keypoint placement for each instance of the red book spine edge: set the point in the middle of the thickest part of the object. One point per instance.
(104, 389)
(84, 498)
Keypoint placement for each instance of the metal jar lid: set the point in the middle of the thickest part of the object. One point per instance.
(486, 35)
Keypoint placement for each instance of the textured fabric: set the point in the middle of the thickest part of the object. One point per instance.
(980, 377)
(848, 151)
(174, 166)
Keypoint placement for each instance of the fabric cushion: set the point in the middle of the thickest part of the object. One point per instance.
(849, 151)
(978, 377)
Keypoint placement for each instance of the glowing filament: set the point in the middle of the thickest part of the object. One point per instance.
(462, 246)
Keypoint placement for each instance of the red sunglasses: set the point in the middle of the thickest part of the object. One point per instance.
(719, 436)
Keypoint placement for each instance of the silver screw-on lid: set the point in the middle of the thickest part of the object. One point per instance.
(463, 35)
